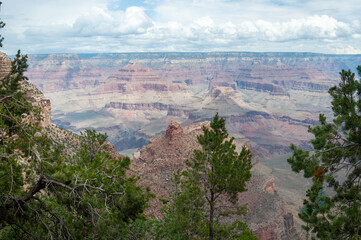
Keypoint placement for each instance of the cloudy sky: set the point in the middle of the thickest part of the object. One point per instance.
(90, 26)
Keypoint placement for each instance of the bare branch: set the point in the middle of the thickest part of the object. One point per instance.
(4, 98)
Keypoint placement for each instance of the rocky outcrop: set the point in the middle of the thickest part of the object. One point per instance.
(269, 186)
(134, 73)
(5, 65)
(157, 161)
(39, 100)
(174, 130)
(32, 93)
(217, 91)
(45, 105)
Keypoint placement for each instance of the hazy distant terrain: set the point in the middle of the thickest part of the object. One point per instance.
(268, 99)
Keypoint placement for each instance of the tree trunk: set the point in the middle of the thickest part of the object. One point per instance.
(211, 216)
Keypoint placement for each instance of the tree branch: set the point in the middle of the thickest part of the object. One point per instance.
(4, 98)
(39, 185)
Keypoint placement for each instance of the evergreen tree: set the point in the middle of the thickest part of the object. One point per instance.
(45, 194)
(334, 164)
(209, 188)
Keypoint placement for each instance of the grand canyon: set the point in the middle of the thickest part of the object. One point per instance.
(152, 106)
(268, 99)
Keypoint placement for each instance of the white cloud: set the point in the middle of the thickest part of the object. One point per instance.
(187, 25)
(314, 27)
(99, 22)
(135, 21)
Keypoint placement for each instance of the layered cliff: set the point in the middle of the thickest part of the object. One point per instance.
(134, 95)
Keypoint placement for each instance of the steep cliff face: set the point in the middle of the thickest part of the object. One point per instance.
(157, 161)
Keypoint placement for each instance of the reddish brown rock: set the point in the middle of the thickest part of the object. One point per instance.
(111, 150)
(174, 129)
(157, 161)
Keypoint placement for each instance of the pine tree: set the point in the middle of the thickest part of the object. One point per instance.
(213, 179)
(332, 209)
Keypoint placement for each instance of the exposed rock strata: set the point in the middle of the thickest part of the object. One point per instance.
(135, 78)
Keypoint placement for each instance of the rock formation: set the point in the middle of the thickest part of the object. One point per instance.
(5, 65)
(174, 130)
(157, 161)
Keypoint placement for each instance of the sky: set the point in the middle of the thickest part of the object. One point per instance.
(103, 26)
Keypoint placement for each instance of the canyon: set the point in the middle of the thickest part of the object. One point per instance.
(152, 106)
(268, 99)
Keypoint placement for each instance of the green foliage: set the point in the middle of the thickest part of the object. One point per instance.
(45, 194)
(335, 163)
(208, 190)
(92, 143)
